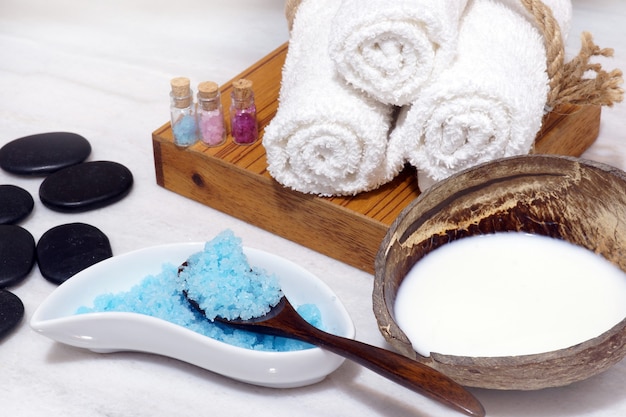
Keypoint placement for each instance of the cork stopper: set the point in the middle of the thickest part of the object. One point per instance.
(208, 92)
(242, 93)
(181, 92)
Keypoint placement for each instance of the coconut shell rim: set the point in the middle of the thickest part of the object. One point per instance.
(479, 372)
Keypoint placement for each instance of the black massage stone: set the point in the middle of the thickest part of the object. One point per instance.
(11, 312)
(17, 254)
(86, 186)
(15, 204)
(65, 250)
(43, 153)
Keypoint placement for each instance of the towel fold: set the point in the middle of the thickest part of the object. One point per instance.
(326, 138)
(487, 104)
(390, 49)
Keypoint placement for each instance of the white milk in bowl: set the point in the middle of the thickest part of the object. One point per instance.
(508, 294)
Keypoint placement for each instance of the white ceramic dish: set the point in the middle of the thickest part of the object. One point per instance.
(111, 331)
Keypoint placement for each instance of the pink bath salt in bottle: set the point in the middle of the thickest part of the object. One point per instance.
(243, 123)
(210, 114)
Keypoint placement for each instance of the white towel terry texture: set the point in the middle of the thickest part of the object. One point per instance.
(561, 10)
(470, 74)
(488, 104)
(326, 138)
(390, 49)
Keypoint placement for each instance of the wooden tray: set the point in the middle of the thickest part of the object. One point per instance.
(234, 179)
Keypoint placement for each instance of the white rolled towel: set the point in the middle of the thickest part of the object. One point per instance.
(326, 138)
(389, 49)
(561, 11)
(488, 104)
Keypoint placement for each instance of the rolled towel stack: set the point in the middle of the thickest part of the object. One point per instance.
(390, 49)
(469, 78)
(489, 103)
(326, 138)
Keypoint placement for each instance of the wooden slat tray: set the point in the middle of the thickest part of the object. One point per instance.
(234, 179)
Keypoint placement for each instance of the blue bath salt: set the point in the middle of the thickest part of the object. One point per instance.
(232, 288)
(185, 131)
(224, 285)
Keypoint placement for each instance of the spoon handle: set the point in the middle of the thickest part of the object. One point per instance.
(400, 369)
(286, 322)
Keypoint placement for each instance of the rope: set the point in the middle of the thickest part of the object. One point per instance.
(578, 81)
(567, 84)
(555, 52)
(291, 6)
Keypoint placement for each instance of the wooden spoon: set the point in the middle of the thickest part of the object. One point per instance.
(283, 320)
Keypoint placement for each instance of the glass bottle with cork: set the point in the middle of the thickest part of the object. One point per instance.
(243, 122)
(210, 115)
(183, 113)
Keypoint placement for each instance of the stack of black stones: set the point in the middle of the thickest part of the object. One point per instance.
(70, 185)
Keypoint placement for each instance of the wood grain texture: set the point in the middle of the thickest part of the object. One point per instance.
(234, 179)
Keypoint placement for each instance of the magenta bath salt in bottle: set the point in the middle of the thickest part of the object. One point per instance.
(183, 113)
(210, 115)
(243, 123)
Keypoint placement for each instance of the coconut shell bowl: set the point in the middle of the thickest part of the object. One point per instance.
(565, 198)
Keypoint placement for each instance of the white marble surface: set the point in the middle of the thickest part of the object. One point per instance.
(102, 69)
